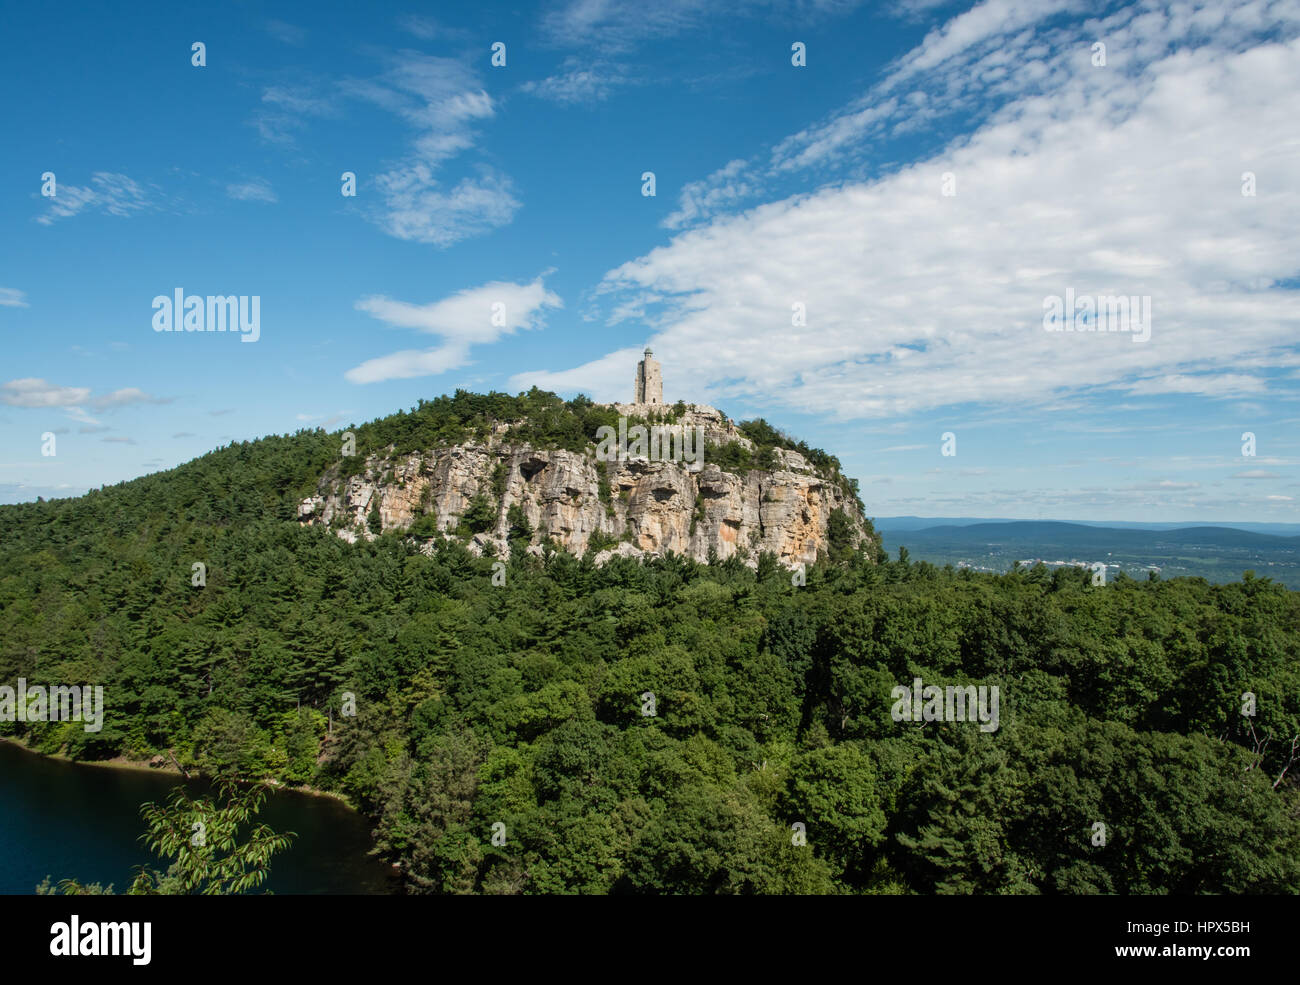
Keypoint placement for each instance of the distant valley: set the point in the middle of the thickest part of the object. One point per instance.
(1217, 553)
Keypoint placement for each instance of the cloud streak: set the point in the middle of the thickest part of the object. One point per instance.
(108, 193)
(475, 316)
(257, 190)
(443, 101)
(1127, 180)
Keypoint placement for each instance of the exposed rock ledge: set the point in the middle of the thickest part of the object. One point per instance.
(652, 507)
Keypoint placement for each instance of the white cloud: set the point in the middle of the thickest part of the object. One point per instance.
(607, 379)
(1163, 484)
(475, 316)
(38, 393)
(297, 99)
(912, 9)
(579, 81)
(33, 392)
(421, 208)
(974, 62)
(991, 21)
(1211, 384)
(108, 193)
(11, 297)
(409, 363)
(125, 397)
(722, 190)
(285, 110)
(80, 415)
(1125, 180)
(443, 100)
(257, 190)
(616, 25)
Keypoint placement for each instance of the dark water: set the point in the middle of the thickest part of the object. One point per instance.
(72, 821)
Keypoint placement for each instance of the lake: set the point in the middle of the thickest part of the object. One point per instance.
(71, 820)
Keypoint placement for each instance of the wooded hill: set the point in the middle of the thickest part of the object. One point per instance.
(522, 704)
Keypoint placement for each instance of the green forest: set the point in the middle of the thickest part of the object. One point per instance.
(501, 741)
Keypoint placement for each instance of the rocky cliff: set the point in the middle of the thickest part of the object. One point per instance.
(634, 506)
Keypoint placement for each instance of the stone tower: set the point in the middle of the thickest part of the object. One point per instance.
(649, 381)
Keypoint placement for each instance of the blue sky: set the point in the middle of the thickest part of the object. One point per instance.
(821, 185)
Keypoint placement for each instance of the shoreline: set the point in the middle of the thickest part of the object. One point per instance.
(121, 762)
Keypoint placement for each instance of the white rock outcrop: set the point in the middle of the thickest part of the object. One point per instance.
(648, 507)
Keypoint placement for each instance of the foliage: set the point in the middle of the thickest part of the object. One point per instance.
(211, 854)
(70, 887)
(517, 522)
(600, 541)
(840, 535)
(520, 704)
(732, 456)
(500, 477)
(767, 439)
(479, 516)
(425, 525)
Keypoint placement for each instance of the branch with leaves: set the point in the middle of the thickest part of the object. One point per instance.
(211, 854)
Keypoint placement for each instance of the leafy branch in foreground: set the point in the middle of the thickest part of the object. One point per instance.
(202, 837)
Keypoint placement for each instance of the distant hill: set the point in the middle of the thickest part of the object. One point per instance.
(1216, 553)
(895, 523)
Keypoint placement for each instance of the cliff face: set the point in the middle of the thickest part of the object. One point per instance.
(651, 507)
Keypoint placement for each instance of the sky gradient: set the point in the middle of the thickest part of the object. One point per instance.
(859, 248)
